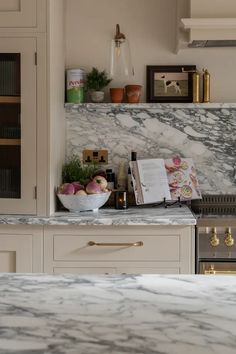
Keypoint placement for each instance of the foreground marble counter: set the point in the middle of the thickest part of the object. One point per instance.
(132, 216)
(42, 314)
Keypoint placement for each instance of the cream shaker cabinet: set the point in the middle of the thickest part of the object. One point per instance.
(128, 249)
(21, 249)
(31, 105)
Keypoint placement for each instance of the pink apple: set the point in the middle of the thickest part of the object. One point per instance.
(78, 186)
(66, 188)
(81, 192)
(101, 181)
(93, 188)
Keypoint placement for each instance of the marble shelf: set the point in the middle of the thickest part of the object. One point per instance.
(99, 106)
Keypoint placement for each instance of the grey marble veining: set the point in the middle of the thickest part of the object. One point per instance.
(131, 216)
(142, 314)
(206, 132)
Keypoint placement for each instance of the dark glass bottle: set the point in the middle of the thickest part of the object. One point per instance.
(110, 179)
(130, 183)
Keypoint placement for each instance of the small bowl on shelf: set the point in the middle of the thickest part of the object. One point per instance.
(89, 202)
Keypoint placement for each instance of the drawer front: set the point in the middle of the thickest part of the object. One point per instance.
(116, 248)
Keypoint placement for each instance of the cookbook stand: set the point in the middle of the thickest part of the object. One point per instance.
(169, 204)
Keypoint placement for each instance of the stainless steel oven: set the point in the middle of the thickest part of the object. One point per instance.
(216, 247)
(216, 235)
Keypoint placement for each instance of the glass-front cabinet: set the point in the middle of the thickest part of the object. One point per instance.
(17, 126)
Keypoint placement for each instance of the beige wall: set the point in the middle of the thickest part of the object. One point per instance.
(150, 27)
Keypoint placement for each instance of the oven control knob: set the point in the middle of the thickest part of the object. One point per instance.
(229, 240)
(214, 240)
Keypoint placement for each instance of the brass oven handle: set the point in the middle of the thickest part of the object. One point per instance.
(212, 270)
(134, 244)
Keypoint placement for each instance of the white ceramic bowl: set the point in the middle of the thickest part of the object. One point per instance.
(77, 203)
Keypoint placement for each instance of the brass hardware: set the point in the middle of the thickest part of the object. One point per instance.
(135, 244)
(219, 272)
(95, 156)
(196, 87)
(229, 240)
(214, 240)
(119, 37)
(210, 271)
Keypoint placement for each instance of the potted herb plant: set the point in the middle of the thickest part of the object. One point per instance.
(95, 82)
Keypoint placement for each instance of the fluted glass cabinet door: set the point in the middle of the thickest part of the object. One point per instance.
(17, 125)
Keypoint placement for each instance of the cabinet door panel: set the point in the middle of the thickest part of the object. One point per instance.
(18, 13)
(7, 261)
(16, 253)
(17, 125)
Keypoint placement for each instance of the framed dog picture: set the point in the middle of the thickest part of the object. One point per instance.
(170, 83)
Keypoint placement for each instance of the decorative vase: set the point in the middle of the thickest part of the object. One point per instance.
(97, 96)
(133, 93)
(117, 94)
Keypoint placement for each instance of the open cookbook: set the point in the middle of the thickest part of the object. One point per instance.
(156, 180)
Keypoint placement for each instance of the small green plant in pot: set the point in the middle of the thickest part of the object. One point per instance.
(95, 82)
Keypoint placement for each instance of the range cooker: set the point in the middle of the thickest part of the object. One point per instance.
(215, 234)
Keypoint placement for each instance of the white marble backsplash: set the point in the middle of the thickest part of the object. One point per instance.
(205, 132)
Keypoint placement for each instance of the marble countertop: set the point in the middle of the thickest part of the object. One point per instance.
(145, 314)
(132, 216)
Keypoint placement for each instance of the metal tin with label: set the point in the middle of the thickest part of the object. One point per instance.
(75, 79)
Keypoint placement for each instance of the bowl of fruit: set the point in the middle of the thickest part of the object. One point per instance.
(86, 189)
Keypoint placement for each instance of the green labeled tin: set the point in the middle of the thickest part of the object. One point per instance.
(75, 85)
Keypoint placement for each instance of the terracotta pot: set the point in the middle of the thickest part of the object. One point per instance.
(133, 93)
(117, 94)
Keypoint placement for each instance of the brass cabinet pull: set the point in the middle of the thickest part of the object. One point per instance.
(134, 244)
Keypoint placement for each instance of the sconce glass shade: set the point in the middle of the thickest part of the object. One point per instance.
(120, 56)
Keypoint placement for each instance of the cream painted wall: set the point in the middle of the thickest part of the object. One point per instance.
(150, 27)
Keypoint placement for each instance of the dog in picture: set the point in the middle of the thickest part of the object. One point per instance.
(171, 83)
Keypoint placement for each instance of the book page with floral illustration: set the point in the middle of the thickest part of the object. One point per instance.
(150, 181)
(182, 179)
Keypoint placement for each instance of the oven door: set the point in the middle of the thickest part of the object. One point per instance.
(217, 268)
